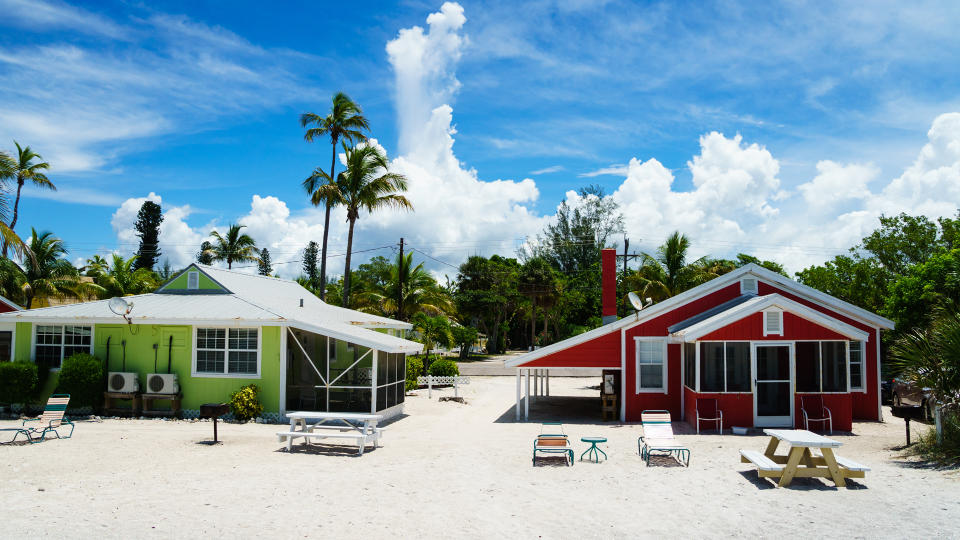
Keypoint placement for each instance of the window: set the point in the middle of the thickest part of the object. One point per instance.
(772, 322)
(6, 346)
(690, 365)
(53, 343)
(724, 366)
(193, 280)
(391, 379)
(821, 366)
(651, 365)
(228, 351)
(856, 365)
(748, 286)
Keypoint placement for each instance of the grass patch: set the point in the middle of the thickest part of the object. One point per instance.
(945, 453)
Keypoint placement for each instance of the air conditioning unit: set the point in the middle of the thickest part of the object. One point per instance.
(119, 381)
(163, 383)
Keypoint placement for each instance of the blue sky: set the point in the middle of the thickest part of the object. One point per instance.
(782, 129)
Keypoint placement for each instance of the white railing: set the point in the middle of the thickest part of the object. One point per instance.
(431, 380)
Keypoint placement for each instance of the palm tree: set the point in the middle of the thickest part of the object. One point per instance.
(406, 291)
(930, 357)
(96, 266)
(120, 279)
(344, 121)
(46, 273)
(24, 168)
(234, 247)
(8, 171)
(365, 185)
(668, 273)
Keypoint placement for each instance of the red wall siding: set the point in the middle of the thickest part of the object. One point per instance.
(794, 328)
(637, 403)
(602, 352)
(865, 405)
(4, 308)
(841, 410)
(737, 409)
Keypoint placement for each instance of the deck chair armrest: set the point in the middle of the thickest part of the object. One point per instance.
(30, 420)
(830, 414)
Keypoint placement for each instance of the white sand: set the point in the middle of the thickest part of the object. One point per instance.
(447, 470)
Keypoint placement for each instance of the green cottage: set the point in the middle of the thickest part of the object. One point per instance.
(219, 330)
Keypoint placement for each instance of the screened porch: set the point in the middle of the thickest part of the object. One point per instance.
(332, 375)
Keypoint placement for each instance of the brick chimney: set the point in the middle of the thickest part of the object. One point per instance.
(608, 280)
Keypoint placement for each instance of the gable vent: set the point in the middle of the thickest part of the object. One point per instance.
(193, 280)
(772, 322)
(748, 286)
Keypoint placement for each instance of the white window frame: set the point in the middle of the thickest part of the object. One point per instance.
(666, 361)
(766, 331)
(863, 374)
(12, 328)
(820, 343)
(33, 339)
(724, 342)
(193, 278)
(756, 286)
(226, 354)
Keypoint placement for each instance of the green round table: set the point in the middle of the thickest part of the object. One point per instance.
(593, 450)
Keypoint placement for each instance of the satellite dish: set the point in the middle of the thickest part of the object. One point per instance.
(635, 301)
(121, 307)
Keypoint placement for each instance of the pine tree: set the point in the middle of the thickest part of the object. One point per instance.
(148, 229)
(264, 268)
(205, 256)
(310, 263)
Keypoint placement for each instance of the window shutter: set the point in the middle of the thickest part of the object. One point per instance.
(193, 280)
(773, 322)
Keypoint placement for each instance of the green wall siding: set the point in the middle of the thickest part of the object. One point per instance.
(140, 359)
(205, 283)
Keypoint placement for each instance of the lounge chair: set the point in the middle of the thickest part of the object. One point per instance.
(552, 440)
(50, 420)
(814, 411)
(658, 437)
(708, 410)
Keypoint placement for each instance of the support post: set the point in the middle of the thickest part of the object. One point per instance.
(518, 395)
(526, 401)
(373, 384)
(548, 382)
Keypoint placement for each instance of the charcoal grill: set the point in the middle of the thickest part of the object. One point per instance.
(908, 413)
(214, 411)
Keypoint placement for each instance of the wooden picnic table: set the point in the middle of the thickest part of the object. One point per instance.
(800, 461)
(362, 427)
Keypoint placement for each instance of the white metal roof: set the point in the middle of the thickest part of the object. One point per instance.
(253, 300)
(283, 296)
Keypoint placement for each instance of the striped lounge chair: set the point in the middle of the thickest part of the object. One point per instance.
(50, 421)
(658, 437)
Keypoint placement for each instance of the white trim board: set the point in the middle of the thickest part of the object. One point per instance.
(765, 303)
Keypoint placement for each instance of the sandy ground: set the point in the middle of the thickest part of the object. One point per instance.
(451, 470)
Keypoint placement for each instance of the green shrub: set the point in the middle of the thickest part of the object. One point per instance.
(81, 376)
(414, 370)
(444, 368)
(245, 403)
(18, 381)
(947, 451)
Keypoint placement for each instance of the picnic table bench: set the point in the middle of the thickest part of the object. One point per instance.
(800, 461)
(360, 427)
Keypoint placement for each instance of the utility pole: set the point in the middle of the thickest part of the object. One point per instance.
(400, 283)
(626, 254)
(626, 249)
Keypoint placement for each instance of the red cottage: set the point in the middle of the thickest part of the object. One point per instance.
(755, 340)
